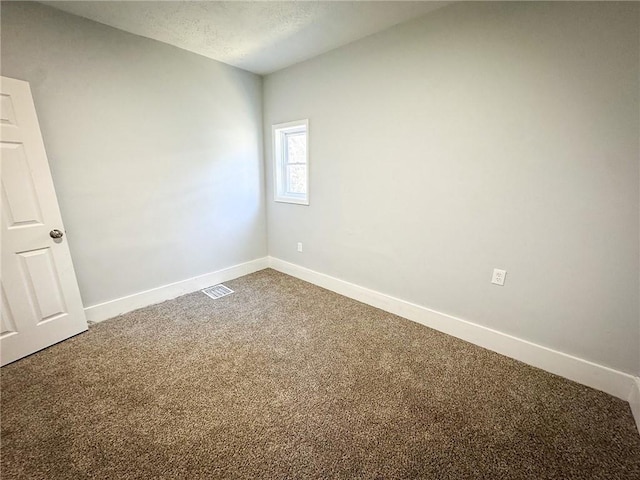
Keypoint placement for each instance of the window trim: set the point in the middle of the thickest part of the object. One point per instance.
(278, 133)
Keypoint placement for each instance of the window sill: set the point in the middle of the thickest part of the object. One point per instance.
(296, 201)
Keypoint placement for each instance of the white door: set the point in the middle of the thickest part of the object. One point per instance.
(41, 303)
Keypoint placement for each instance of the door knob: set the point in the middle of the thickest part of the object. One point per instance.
(56, 233)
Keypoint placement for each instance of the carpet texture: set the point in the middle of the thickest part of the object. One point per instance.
(283, 379)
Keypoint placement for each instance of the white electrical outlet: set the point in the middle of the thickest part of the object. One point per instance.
(299, 246)
(498, 276)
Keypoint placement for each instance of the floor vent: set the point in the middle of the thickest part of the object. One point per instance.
(217, 291)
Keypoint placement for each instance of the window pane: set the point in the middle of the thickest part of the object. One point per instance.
(290, 161)
(297, 179)
(296, 147)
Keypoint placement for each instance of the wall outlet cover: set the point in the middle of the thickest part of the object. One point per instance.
(498, 276)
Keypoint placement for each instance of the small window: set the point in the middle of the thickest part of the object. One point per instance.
(291, 162)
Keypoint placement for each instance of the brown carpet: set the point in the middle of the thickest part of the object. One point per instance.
(283, 379)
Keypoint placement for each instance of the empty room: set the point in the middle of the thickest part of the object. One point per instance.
(320, 239)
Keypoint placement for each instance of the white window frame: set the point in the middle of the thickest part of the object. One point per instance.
(279, 132)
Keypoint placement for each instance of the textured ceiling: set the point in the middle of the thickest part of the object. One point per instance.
(257, 36)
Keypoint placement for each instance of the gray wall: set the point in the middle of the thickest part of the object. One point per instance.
(482, 135)
(156, 153)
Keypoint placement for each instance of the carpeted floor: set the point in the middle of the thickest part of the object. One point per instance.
(283, 379)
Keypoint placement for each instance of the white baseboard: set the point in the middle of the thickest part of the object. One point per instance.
(603, 378)
(634, 401)
(614, 382)
(103, 311)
